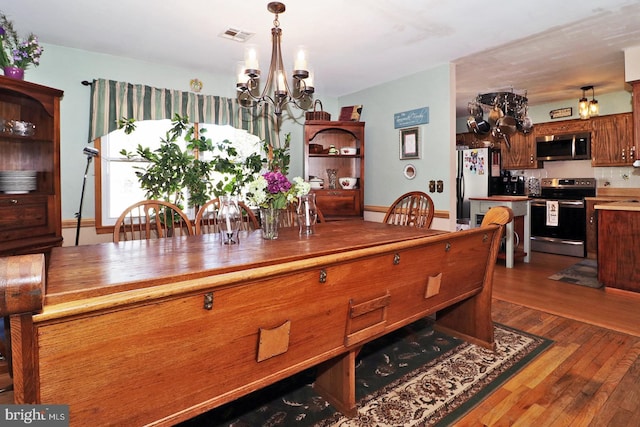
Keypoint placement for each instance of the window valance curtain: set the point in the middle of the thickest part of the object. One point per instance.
(111, 101)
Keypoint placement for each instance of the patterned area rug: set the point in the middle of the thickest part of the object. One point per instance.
(414, 376)
(584, 273)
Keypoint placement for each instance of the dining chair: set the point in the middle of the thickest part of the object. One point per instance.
(151, 219)
(206, 219)
(413, 209)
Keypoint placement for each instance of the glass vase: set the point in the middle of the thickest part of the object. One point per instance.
(229, 218)
(333, 178)
(270, 220)
(14, 72)
(307, 214)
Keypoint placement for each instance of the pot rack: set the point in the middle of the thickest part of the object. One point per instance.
(510, 103)
(507, 114)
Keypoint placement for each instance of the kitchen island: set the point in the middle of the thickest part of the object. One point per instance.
(522, 216)
(155, 332)
(618, 250)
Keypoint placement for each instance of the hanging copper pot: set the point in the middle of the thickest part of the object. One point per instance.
(495, 114)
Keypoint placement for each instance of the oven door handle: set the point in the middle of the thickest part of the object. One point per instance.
(561, 203)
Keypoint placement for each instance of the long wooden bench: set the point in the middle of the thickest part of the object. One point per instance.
(155, 332)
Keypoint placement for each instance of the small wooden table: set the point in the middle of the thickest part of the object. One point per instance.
(521, 209)
(155, 332)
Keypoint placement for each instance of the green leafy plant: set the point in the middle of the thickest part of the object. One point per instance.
(279, 157)
(172, 170)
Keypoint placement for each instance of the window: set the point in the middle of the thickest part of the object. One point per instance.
(117, 185)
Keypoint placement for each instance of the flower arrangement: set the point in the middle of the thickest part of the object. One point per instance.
(274, 190)
(15, 52)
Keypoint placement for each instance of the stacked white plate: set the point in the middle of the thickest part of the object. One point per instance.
(17, 182)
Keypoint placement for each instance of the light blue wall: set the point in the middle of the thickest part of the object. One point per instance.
(65, 69)
(383, 168)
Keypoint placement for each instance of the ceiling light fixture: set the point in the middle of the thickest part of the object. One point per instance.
(586, 108)
(276, 90)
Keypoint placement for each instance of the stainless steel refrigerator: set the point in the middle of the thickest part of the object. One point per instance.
(478, 175)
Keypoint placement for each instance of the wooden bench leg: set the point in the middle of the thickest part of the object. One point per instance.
(336, 382)
(470, 320)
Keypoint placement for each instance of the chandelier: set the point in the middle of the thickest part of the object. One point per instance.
(500, 114)
(588, 108)
(276, 91)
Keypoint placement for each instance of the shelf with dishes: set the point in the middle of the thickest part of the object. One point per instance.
(334, 165)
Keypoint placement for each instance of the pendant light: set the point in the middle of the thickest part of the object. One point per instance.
(586, 108)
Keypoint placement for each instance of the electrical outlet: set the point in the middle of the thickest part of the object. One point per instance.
(432, 186)
(440, 186)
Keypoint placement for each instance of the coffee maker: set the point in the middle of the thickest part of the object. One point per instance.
(514, 185)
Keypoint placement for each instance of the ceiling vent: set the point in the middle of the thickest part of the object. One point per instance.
(236, 35)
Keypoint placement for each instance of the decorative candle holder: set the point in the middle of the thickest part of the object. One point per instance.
(229, 218)
(307, 214)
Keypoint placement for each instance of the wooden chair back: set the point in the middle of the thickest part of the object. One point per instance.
(413, 209)
(206, 221)
(288, 216)
(151, 219)
(500, 215)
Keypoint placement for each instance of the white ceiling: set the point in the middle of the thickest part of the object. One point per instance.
(549, 48)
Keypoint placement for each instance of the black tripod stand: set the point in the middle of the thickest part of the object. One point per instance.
(91, 153)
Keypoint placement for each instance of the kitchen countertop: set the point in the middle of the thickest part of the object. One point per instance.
(502, 198)
(620, 206)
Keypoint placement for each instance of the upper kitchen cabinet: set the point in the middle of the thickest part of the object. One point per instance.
(521, 154)
(562, 127)
(612, 142)
(466, 139)
(29, 167)
(325, 157)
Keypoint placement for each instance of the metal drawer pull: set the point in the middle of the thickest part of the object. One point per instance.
(323, 276)
(208, 301)
(396, 259)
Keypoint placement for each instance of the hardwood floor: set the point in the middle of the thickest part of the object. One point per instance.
(589, 377)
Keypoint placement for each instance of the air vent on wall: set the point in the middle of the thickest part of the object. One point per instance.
(237, 35)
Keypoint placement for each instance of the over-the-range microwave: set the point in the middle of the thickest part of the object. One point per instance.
(575, 146)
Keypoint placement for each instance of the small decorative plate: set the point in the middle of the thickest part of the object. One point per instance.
(409, 171)
(196, 85)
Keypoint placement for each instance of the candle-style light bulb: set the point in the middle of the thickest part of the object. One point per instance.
(251, 61)
(301, 60)
(280, 82)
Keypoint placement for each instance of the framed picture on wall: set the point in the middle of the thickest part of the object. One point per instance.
(409, 143)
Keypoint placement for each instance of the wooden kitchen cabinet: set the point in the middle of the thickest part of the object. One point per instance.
(592, 223)
(30, 220)
(561, 127)
(521, 154)
(466, 138)
(612, 142)
(618, 254)
(335, 203)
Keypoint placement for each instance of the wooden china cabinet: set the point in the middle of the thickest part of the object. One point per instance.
(319, 136)
(30, 218)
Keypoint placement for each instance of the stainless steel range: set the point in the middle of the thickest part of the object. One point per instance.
(558, 216)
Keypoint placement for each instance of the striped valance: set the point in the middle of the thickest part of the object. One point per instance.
(111, 101)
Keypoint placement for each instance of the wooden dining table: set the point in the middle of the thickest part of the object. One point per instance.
(154, 332)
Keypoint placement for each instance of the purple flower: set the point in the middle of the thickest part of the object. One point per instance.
(276, 182)
(2, 32)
